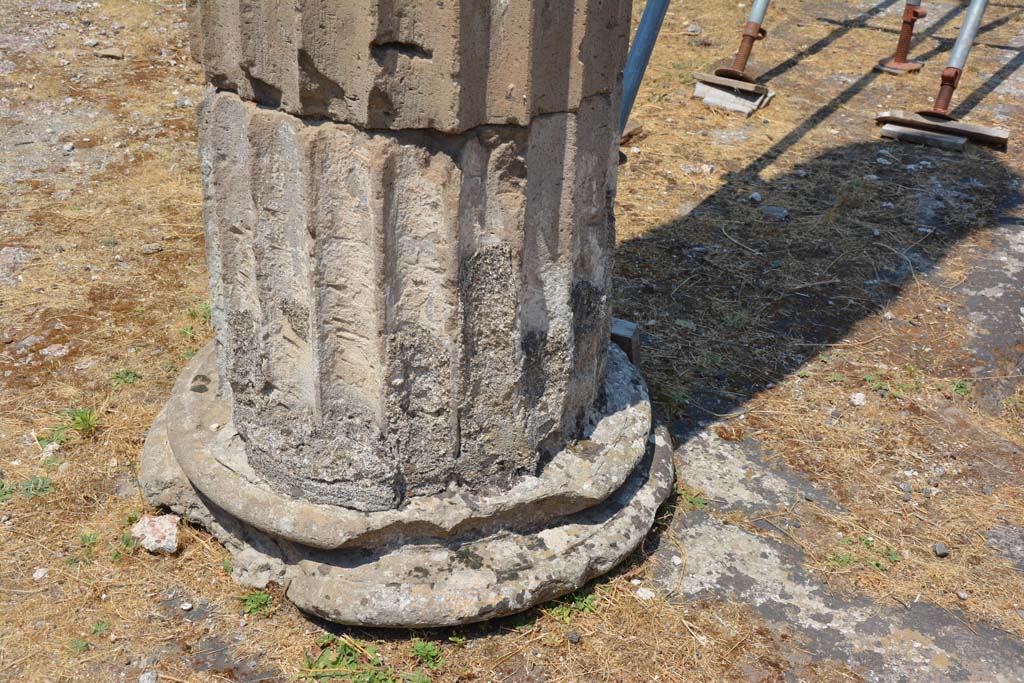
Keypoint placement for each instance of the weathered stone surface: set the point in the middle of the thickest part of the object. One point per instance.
(420, 581)
(410, 415)
(448, 65)
(401, 313)
(157, 534)
(577, 477)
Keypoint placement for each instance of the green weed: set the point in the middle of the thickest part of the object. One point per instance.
(200, 312)
(82, 420)
(125, 545)
(961, 388)
(58, 435)
(428, 653)
(124, 377)
(576, 603)
(257, 603)
(35, 487)
(347, 660)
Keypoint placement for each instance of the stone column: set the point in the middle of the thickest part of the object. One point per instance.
(411, 414)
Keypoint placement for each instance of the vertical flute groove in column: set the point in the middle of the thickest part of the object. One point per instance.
(411, 413)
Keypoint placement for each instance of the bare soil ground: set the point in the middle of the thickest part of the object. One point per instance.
(869, 347)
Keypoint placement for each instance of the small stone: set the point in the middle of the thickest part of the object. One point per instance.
(40, 574)
(693, 30)
(91, 42)
(905, 487)
(883, 161)
(183, 103)
(110, 53)
(68, 148)
(987, 490)
(645, 593)
(870, 177)
(677, 561)
(906, 496)
(858, 399)
(963, 595)
(809, 497)
(185, 606)
(148, 677)
(801, 172)
(888, 315)
(573, 637)
(755, 197)
(157, 534)
(152, 248)
(55, 351)
(940, 550)
(775, 213)
(215, 426)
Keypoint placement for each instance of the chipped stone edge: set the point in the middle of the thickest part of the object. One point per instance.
(580, 476)
(429, 584)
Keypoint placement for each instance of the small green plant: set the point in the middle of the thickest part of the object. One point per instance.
(35, 487)
(875, 382)
(124, 377)
(188, 354)
(138, 310)
(226, 566)
(100, 627)
(865, 550)
(735, 319)
(188, 332)
(51, 462)
(428, 653)
(576, 603)
(131, 519)
(58, 435)
(6, 491)
(961, 388)
(416, 676)
(256, 603)
(679, 398)
(835, 378)
(803, 373)
(125, 545)
(457, 640)
(710, 360)
(348, 660)
(841, 559)
(82, 420)
(200, 312)
(86, 542)
(79, 646)
(691, 501)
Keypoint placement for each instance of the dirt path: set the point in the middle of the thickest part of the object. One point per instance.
(843, 383)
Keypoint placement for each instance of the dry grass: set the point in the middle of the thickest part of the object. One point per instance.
(757, 303)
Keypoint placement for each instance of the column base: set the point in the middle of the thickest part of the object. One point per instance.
(477, 561)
